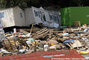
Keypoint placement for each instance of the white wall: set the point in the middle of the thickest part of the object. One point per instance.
(19, 17)
(7, 19)
(29, 16)
(12, 17)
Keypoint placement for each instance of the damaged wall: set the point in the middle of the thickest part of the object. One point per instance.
(39, 15)
(12, 17)
(19, 17)
(32, 16)
(7, 17)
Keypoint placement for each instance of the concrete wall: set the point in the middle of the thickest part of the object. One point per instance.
(36, 15)
(54, 14)
(7, 19)
(12, 17)
(38, 19)
(29, 17)
(19, 17)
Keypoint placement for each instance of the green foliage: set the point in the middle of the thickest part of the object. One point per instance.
(3, 3)
(38, 3)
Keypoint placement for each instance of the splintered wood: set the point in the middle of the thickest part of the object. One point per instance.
(42, 33)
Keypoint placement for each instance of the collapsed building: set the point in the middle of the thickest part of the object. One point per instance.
(18, 17)
(40, 15)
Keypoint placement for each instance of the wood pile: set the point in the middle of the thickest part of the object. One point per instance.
(43, 33)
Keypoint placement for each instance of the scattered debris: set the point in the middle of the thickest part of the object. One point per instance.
(26, 41)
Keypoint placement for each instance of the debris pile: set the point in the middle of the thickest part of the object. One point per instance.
(44, 39)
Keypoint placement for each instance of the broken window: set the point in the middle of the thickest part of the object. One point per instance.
(21, 15)
(54, 17)
(44, 17)
(36, 13)
(1, 14)
(50, 17)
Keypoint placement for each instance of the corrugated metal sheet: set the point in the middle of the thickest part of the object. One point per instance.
(70, 54)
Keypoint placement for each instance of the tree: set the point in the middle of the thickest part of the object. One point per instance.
(12, 3)
(2, 3)
(38, 3)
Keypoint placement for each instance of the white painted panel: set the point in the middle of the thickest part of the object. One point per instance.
(29, 16)
(7, 20)
(19, 17)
